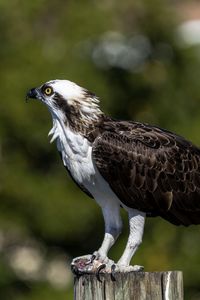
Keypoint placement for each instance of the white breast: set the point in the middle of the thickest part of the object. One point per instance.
(76, 153)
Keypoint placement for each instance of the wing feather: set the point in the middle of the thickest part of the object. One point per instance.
(152, 170)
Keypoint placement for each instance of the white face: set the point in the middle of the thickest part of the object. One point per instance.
(63, 97)
(67, 89)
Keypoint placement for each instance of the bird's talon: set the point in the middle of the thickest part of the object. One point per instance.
(101, 267)
(113, 268)
(90, 261)
(92, 258)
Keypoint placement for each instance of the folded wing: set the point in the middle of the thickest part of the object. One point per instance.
(151, 170)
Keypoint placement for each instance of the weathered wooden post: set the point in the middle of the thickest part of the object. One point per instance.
(130, 286)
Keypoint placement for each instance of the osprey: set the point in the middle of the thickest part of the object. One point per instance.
(146, 170)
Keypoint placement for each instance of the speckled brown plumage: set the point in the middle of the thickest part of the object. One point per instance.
(74, 115)
(149, 169)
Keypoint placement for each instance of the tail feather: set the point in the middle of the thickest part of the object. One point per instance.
(180, 217)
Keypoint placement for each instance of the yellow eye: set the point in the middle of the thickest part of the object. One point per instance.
(48, 91)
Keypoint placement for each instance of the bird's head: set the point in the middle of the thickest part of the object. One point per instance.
(68, 102)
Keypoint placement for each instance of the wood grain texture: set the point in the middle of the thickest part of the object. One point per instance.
(130, 286)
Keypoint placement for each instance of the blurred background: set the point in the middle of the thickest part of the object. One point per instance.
(142, 58)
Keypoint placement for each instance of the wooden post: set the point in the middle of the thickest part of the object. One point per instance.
(130, 286)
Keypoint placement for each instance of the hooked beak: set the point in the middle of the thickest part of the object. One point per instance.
(33, 94)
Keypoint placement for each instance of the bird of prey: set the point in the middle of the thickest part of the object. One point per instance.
(144, 169)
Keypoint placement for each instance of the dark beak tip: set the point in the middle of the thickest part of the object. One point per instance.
(32, 93)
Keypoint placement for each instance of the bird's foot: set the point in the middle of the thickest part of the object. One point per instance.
(92, 264)
(97, 264)
(117, 268)
(126, 269)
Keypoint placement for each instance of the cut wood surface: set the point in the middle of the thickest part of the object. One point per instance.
(130, 286)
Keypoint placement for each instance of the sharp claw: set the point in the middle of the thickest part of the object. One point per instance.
(101, 267)
(113, 267)
(90, 261)
(92, 258)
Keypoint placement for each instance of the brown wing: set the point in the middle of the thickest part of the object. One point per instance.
(151, 170)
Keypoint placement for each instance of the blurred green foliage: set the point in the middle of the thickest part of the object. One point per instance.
(129, 55)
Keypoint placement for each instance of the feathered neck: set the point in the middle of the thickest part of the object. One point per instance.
(55, 130)
(80, 113)
(86, 125)
(84, 112)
